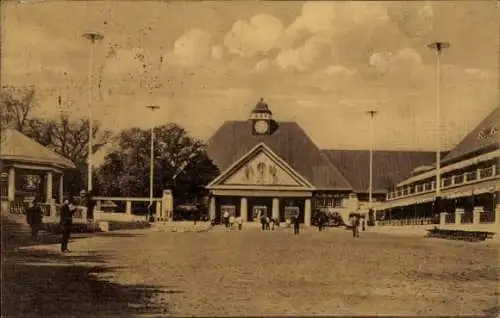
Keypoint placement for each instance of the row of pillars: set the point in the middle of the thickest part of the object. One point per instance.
(11, 193)
(275, 211)
(476, 215)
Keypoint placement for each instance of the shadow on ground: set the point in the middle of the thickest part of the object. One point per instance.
(41, 283)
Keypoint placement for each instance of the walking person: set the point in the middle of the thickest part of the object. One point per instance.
(226, 218)
(34, 216)
(263, 222)
(66, 222)
(320, 221)
(355, 226)
(296, 226)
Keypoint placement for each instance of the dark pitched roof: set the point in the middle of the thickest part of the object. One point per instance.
(234, 139)
(473, 143)
(389, 167)
(19, 147)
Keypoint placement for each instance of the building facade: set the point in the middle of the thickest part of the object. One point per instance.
(470, 183)
(273, 168)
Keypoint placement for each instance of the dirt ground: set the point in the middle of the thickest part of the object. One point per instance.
(143, 272)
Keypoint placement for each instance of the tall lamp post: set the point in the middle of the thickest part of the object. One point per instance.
(438, 47)
(372, 114)
(93, 37)
(151, 165)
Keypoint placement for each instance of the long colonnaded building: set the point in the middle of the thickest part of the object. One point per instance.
(273, 168)
(470, 184)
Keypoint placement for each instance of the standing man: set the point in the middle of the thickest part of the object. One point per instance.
(34, 216)
(296, 225)
(66, 222)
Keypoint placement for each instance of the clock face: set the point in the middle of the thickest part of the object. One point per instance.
(261, 126)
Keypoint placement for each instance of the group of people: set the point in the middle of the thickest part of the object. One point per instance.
(230, 220)
(34, 218)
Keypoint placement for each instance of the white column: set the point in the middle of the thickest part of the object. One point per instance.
(12, 184)
(442, 218)
(477, 214)
(458, 215)
(497, 214)
(167, 205)
(276, 208)
(158, 215)
(307, 212)
(48, 191)
(128, 208)
(212, 208)
(243, 209)
(61, 188)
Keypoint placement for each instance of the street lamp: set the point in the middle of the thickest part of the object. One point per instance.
(372, 114)
(438, 47)
(152, 108)
(93, 37)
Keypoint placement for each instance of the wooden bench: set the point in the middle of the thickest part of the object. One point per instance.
(471, 236)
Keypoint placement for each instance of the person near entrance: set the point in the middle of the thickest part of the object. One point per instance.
(226, 218)
(66, 222)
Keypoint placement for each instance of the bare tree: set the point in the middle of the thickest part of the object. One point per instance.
(16, 106)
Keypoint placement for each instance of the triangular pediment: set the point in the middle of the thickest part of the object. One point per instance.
(261, 167)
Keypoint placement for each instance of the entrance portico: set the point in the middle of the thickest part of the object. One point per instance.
(261, 183)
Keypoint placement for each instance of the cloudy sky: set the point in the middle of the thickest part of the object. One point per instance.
(322, 64)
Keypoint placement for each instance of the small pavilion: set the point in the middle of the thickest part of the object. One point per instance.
(29, 170)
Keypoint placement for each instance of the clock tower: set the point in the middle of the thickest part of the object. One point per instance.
(262, 119)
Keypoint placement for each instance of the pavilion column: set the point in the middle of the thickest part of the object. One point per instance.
(212, 208)
(243, 209)
(476, 217)
(276, 209)
(128, 207)
(48, 192)
(11, 191)
(307, 212)
(61, 188)
(458, 215)
(497, 214)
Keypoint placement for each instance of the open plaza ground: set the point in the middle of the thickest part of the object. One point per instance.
(219, 272)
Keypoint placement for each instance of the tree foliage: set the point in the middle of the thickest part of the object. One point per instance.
(16, 106)
(180, 163)
(63, 135)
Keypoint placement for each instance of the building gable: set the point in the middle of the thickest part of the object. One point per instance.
(484, 137)
(261, 167)
(289, 141)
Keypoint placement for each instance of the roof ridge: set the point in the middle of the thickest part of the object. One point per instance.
(323, 157)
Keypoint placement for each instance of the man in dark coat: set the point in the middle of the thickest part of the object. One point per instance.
(296, 226)
(66, 222)
(34, 215)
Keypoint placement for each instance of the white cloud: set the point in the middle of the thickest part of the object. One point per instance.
(405, 60)
(339, 70)
(217, 52)
(414, 21)
(261, 34)
(325, 19)
(194, 48)
(262, 65)
(313, 52)
(477, 73)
